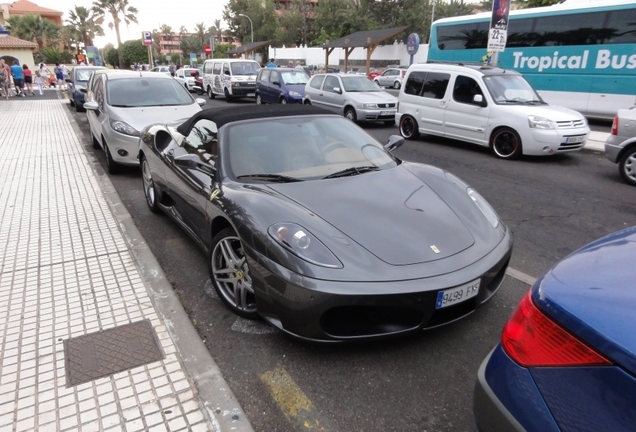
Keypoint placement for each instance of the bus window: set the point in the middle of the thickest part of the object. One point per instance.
(622, 25)
(462, 36)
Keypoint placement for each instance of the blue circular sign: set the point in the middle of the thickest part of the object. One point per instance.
(412, 43)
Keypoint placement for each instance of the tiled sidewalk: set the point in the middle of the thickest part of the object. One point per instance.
(66, 271)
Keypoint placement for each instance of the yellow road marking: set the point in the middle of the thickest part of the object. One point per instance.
(291, 400)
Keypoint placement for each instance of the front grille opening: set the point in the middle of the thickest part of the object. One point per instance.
(496, 281)
(348, 321)
(452, 313)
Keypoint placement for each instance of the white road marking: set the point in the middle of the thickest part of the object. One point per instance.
(520, 276)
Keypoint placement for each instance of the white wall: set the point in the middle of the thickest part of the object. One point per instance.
(387, 54)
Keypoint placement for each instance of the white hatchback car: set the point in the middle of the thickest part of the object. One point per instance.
(492, 107)
(354, 96)
(124, 103)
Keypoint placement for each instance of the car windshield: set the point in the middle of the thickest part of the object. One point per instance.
(83, 75)
(245, 68)
(187, 72)
(511, 89)
(295, 77)
(301, 148)
(359, 84)
(142, 92)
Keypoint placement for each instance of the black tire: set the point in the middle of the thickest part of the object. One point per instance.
(72, 102)
(409, 128)
(627, 166)
(230, 274)
(211, 95)
(113, 167)
(389, 122)
(259, 101)
(397, 85)
(228, 98)
(199, 91)
(283, 101)
(307, 102)
(79, 107)
(505, 143)
(377, 82)
(96, 145)
(150, 190)
(350, 114)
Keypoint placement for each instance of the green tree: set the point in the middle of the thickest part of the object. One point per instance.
(199, 32)
(86, 24)
(112, 57)
(537, 3)
(54, 55)
(452, 8)
(119, 10)
(33, 28)
(133, 51)
(221, 49)
(264, 19)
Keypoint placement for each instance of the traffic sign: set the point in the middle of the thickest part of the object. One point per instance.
(207, 49)
(146, 38)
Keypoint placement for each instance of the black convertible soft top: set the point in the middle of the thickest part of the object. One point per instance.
(222, 116)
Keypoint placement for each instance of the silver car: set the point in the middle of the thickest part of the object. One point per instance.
(354, 96)
(392, 77)
(620, 146)
(123, 104)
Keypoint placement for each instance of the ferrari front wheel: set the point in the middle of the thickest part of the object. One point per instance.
(230, 274)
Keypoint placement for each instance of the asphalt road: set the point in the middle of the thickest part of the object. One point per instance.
(553, 205)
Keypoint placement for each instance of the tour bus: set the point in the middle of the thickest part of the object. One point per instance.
(581, 55)
(232, 78)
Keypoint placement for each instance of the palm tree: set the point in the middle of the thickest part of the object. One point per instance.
(119, 10)
(219, 32)
(86, 24)
(199, 32)
(33, 28)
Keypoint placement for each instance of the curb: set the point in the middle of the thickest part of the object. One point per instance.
(221, 407)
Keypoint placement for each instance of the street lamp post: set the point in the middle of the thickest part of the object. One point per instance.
(251, 25)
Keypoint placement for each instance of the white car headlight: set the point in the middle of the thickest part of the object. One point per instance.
(123, 128)
(303, 244)
(369, 106)
(485, 208)
(539, 122)
(294, 93)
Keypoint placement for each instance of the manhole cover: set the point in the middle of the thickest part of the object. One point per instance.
(106, 352)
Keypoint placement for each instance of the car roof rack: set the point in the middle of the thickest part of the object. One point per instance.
(468, 64)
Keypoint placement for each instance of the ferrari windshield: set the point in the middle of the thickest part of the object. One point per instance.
(142, 92)
(302, 148)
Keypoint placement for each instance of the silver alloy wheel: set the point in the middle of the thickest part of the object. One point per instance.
(627, 166)
(396, 85)
(149, 184)
(231, 275)
(283, 101)
(350, 114)
(259, 101)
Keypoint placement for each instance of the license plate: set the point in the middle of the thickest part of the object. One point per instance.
(576, 139)
(250, 95)
(458, 294)
(387, 113)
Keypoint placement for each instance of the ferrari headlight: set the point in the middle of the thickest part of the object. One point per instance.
(539, 122)
(485, 208)
(123, 128)
(303, 244)
(369, 106)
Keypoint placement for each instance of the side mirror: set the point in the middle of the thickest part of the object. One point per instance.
(394, 142)
(276, 83)
(193, 162)
(337, 90)
(92, 105)
(68, 80)
(479, 100)
(200, 101)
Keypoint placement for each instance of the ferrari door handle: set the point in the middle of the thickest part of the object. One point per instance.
(170, 152)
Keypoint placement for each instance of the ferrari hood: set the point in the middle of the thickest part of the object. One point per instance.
(391, 213)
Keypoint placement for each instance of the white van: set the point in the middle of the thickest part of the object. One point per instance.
(232, 78)
(492, 107)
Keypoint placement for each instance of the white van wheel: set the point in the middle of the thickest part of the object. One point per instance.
(409, 128)
(505, 143)
(210, 93)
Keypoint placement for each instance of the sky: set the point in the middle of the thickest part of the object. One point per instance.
(152, 14)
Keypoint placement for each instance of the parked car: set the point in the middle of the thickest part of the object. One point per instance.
(187, 75)
(230, 77)
(311, 224)
(78, 80)
(161, 69)
(354, 96)
(620, 146)
(375, 72)
(280, 85)
(567, 357)
(391, 77)
(123, 103)
(488, 106)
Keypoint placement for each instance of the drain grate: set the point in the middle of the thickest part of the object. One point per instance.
(107, 352)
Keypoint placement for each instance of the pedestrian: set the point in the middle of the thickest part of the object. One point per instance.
(39, 81)
(65, 72)
(299, 66)
(18, 78)
(59, 75)
(44, 73)
(171, 69)
(28, 79)
(272, 63)
(5, 78)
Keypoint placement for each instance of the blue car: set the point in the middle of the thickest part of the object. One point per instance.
(280, 85)
(567, 357)
(76, 81)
